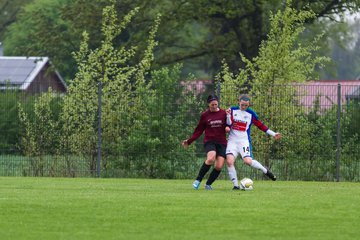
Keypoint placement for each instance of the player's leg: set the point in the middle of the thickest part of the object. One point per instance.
(230, 163)
(232, 151)
(210, 159)
(215, 172)
(255, 164)
(246, 154)
(219, 163)
(231, 154)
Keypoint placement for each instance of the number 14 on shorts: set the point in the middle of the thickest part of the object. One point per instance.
(246, 150)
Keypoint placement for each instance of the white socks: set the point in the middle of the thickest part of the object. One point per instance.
(233, 176)
(257, 165)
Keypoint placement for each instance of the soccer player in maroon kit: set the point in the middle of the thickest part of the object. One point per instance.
(213, 122)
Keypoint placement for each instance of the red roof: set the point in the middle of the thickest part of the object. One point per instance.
(327, 92)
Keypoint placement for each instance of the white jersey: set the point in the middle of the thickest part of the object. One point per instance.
(240, 122)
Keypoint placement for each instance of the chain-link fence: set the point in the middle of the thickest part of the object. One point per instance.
(320, 125)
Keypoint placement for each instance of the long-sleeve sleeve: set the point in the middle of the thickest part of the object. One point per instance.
(198, 130)
(259, 124)
(263, 127)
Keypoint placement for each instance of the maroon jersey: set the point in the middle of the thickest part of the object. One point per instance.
(213, 123)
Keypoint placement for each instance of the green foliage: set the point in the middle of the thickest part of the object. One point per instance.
(322, 135)
(132, 103)
(197, 33)
(231, 84)
(8, 11)
(52, 28)
(321, 147)
(153, 145)
(281, 61)
(145, 113)
(41, 31)
(9, 131)
(101, 71)
(350, 140)
(40, 134)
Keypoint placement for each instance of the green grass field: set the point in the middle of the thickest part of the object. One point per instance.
(87, 208)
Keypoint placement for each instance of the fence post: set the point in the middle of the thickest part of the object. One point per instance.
(98, 162)
(338, 133)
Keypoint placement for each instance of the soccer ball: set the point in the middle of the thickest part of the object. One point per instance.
(246, 184)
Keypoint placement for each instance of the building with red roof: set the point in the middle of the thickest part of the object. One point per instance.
(327, 92)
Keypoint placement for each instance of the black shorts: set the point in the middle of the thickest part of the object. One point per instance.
(220, 149)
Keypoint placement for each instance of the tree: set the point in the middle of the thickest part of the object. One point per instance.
(40, 31)
(198, 33)
(103, 71)
(350, 140)
(345, 54)
(9, 124)
(8, 11)
(40, 134)
(227, 28)
(131, 99)
(54, 27)
(281, 61)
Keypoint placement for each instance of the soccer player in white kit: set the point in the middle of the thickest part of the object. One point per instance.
(240, 118)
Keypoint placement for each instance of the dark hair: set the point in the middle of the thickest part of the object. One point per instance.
(244, 97)
(212, 97)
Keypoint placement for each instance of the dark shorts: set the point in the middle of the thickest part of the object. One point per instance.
(220, 149)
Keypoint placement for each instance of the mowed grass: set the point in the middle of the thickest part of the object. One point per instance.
(87, 208)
